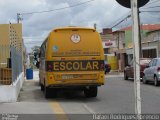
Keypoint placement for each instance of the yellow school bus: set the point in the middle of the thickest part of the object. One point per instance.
(72, 57)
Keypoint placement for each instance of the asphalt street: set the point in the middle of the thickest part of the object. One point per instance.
(116, 96)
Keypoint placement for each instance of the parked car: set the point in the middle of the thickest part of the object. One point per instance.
(129, 71)
(107, 67)
(152, 72)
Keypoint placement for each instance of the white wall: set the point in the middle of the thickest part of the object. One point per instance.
(9, 93)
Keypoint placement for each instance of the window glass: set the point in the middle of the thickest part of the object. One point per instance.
(131, 63)
(158, 62)
(150, 64)
(154, 62)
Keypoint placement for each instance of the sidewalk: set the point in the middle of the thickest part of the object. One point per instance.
(114, 74)
(35, 74)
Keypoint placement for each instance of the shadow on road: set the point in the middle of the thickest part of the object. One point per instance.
(31, 92)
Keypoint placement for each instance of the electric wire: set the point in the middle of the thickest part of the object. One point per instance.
(128, 16)
(62, 8)
(152, 7)
(121, 18)
(153, 15)
(121, 21)
(153, 2)
(151, 11)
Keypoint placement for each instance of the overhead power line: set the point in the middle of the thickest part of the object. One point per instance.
(153, 2)
(62, 8)
(128, 16)
(151, 11)
(151, 15)
(120, 18)
(152, 7)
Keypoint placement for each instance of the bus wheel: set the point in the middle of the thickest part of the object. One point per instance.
(91, 91)
(53, 92)
(47, 92)
(42, 87)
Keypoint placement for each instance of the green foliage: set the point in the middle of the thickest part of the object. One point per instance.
(34, 56)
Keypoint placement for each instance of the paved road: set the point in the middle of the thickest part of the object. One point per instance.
(116, 96)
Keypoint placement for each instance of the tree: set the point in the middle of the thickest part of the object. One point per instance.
(35, 53)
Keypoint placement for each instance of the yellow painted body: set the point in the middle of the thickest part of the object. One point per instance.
(75, 63)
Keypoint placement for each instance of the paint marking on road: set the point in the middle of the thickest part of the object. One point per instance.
(58, 111)
(88, 109)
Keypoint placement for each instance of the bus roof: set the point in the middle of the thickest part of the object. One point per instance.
(74, 28)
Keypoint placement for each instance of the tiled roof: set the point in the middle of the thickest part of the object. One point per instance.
(149, 27)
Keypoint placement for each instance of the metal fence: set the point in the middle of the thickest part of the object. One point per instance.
(16, 62)
(5, 71)
(11, 65)
(11, 57)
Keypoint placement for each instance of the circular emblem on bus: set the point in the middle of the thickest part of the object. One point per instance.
(75, 38)
(55, 48)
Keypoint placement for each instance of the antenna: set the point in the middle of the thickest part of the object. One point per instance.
(95, 26)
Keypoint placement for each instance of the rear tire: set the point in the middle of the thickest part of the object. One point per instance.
(125, 76)
(156, 82)
(144, 80)
(47, 92)
(42, 87)
(91, 92)
(53, 92)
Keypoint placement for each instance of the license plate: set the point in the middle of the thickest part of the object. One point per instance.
(67, 76)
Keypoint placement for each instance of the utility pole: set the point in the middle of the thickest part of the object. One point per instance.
(18, 18)
(140, 38)
(95, 26)
(118, 39)
(136, 54)
(134, 5)
(119, 55)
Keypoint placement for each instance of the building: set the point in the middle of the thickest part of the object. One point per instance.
(119, 37)
(11, 61)
(107, 37)
(118, 44)
(109, 45)
(10, 43)
(150, 43)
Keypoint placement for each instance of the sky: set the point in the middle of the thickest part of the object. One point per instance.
(36, 26)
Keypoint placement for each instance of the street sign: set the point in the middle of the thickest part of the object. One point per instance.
(127, 3)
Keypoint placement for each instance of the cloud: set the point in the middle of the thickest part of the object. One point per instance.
(102, 12)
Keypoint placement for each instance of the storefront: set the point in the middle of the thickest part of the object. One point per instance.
(110, 54)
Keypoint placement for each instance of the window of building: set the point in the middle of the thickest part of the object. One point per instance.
(150, 53)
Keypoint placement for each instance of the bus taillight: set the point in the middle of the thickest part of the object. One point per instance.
(102, 66)
(50, 67)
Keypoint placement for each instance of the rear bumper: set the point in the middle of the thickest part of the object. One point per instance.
(141, 74)
(73, 85)
(75, 79)
(158, 76)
